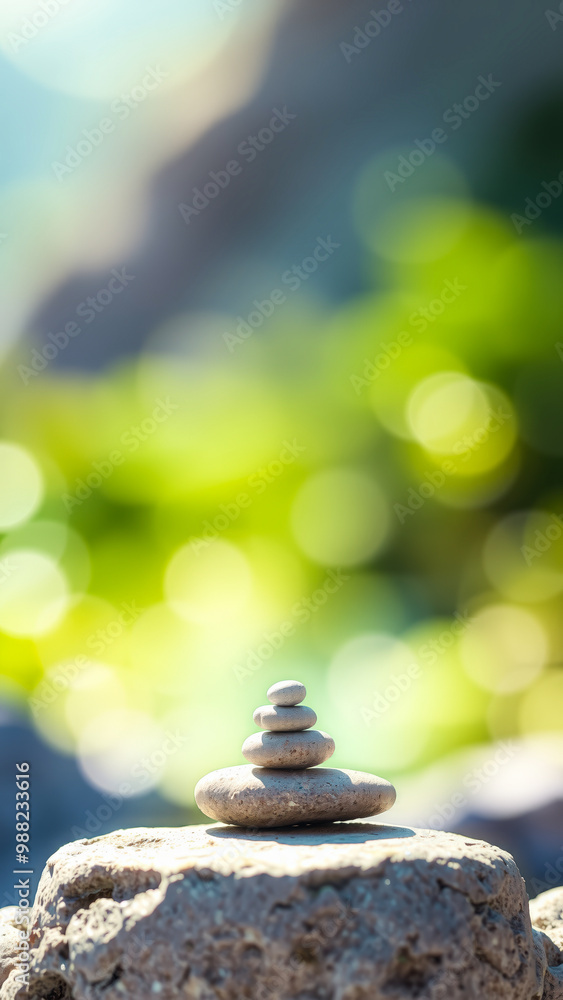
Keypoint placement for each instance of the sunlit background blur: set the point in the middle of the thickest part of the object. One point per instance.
(225, 461)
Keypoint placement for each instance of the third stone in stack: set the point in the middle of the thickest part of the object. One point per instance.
(289, 742)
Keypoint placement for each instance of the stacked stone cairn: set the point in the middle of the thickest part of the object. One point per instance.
(283, 784)
(289, 742)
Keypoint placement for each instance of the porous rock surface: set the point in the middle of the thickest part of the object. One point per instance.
(349, 911)
(10, 925)
(547, 917)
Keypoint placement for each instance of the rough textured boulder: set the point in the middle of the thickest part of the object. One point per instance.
(547, 917)
(351, 911)
(10, 925)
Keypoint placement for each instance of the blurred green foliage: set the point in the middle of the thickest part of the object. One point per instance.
(196, 506)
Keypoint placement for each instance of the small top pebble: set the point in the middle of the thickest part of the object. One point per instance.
(287, 693)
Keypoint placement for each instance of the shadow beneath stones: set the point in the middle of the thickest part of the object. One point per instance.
(313, 833)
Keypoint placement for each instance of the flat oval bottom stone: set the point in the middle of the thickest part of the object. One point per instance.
(264, 797)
